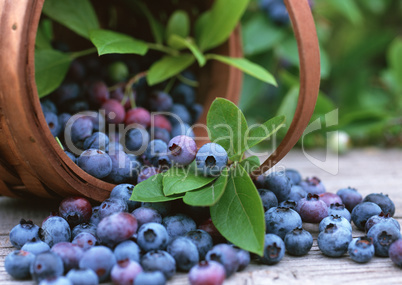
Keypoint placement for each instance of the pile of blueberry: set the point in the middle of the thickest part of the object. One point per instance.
(113, 126)
(129, 242)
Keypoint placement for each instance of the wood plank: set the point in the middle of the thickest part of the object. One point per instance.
(369, 170)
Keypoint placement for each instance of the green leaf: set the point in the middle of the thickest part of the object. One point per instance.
(44, 35)
(215, 27)
(208, 195)
(51, 67)
(112, 42)
(227, 127)
(151, 190)
(349, 9)
(178, 24)
(178, 41)
(77, 15)
(260, 35)
(246, 66)
(263, 131)
(394, 57)
(157, 28)
(180, 180)
(167, 67)
(239, 214)
(251, 163)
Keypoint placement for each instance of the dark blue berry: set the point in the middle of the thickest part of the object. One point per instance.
(160, 101)
(48, 106)
(160, 134)
(54, 230)
(196, 112)
(268, 199)
(280, 221)
(18, 263)
(84, 227)
(182, 130)
(278, 183)
(202, 240)
(146, 173)
(97, 140)
(46, 265)
(100, 259)
(211, 159)
(350, 197)
(207, 272)
(121, 168)
(383, 235)
(179, 114)
(294, 176)
(185, 253)
(385, 203)
(183, 94)
(313, 185)
(24, 232)
(274, 249)
(364, 211)
(156, 153)
(152, 236)
(178, 225)
(297, 193)
(53, 122)
(381, 218)
(298, 242)
(78, 128)
(225, 255)
(288, 204)
(95, 162)
(136, 140)
(159, 260)
(333, 241)
(127, 250)
(361, 249)
(124, 192)
(71, 156)
(164, 208)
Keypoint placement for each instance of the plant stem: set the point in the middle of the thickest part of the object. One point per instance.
(187, 81)
(128, 92)
(74, 55)
(169, 85)
(162, 48)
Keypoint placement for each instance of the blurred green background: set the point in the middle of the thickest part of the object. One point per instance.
(361, 67)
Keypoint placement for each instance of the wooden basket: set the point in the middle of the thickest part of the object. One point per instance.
(31, 161)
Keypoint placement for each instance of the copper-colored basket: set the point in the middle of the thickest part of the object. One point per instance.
(31, 161)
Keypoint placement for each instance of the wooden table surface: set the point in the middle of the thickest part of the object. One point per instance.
(369, 170)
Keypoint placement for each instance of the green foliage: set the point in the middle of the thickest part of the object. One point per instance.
(167, 67)
(179, 25)
(151, 190)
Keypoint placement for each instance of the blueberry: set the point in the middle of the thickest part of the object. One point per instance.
(207, 272)
(381, 218)
(48, 106)
(138, 116)
(150, 278)
(330, 198)
(136, 140)
(146, 173)
(361, 249)
(95, 218)
(312, 209)
(147, 215)
(179, 114)
(211, 159)
(185, 253)
(75, 210)
(274, 249)
(60, 280)
(395, 252)
(159, 121)
(121, 168)
(78, 128)
(210, 228)
(97, 140)
(116, 228)
(333, 241)
(100, 259)
(385, 203)
(364, 211)
(268, 199)
(313, 185)
(35, 246)
(297, 193)
(55, 230)
(76, 106)
(202, 240)
(280, 221)
(278, 183)
(178, 225)
(159, 260)
(294, 176)
(340, 210)
(125, 272)
(95, 162)
(111, 206)
(85, 240)
(53, 122)
(288, 204)
(350, 197)
(383, 235)
(23, 232)
(298, 242)
(182, 150)
(70, 254)
(18, 263)
(337, 220)
(225, 255)
(83, 277)
(160, 134)
(84, 227)
(182, 129)
(160, 101)
(98, 93)
(244, 258)
(152, 236)
(124, 192)
(127, 250)
(184, 94)
(156, 153)
(71, 156)
(46, 265)
(196, 112)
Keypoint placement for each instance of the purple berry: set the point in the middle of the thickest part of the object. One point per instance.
(124, 272)
(395, 252)
(146, 173)
(350, 197)
(160, 102)
(69, 253)
(225, 255)
(98, 93)
(313, 185)
(85, 240)
(114, 111)
(75, 210)
(312, 209)
(147, 215)
(138, 116)
(116, 228)
(100, 259)
(207, 272)
(330, 198)
(111, 206)
(182, 150)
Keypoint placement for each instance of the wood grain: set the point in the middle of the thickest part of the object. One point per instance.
(369, 170)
